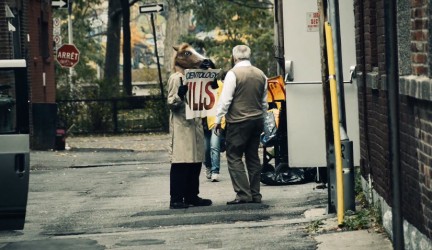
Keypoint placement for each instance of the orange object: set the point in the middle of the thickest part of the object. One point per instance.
(276, 89)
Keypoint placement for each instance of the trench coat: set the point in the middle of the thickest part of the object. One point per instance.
(187, 136)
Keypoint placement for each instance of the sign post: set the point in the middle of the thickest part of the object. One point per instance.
(58, 3)
(68, 55)
(151, 9)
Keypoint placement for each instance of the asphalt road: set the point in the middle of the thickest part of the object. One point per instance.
(105, 194)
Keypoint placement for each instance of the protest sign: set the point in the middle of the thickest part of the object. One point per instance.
(200, 98)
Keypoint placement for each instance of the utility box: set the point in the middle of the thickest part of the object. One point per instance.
(14, 144)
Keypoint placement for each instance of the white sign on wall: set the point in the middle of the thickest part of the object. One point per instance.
(312, 21)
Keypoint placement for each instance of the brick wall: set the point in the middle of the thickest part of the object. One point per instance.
(372, 100)
(41, 62)
(415, 90)
(39, 14)
(35, 34)
(416, 122)
(419, 34)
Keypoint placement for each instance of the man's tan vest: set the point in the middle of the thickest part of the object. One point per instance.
(248, 95)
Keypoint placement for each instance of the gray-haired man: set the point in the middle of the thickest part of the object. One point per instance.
(243, 102)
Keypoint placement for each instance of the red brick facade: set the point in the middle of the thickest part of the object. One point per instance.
(414, 42)
(41, 59)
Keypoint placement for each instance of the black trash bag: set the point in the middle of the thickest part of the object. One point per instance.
(284, 175)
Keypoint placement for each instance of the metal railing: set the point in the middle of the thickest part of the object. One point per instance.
(137, 114)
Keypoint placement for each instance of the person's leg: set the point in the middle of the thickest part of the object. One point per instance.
(192, 187)
(235, 144)
(192, 179)
(253, 164)
(208, 161)
(178, 182)
(215, 156)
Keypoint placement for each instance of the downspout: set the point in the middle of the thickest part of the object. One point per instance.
(392, 81)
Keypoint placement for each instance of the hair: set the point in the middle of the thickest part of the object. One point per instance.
(241, 52)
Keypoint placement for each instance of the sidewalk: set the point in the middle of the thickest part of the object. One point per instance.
(136, 149)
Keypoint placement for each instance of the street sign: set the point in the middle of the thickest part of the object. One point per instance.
(68, 55)
(57, 39)
(56, 22)
(151, 8)
(58, 3)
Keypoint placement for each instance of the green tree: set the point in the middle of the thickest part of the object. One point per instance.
(82, 16)
(236, 22)
(119, 17)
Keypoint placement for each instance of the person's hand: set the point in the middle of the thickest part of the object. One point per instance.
(218, 129)
(182, 91)
(214, 84)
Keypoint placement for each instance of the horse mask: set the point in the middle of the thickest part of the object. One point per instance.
(187, 57)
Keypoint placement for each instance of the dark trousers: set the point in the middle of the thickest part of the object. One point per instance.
(184, 181)
(243, 139)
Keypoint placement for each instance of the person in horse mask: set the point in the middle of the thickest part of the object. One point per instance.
(243, 102)
(187, 151)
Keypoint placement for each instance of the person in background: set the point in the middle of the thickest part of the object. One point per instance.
(243, 102)
(213, 142)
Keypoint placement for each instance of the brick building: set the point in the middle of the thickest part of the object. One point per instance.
(30, 38)
(414, 27)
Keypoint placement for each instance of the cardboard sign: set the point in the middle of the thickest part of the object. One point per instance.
(276, 89)
(200, 98)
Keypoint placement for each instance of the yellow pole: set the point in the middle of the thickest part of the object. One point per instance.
(335, 123)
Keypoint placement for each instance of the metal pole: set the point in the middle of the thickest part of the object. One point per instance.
(280, 37)
(348, 168)
(336, 128)
(335, 24)
(392, 81)
(70, 38)
(157, 57)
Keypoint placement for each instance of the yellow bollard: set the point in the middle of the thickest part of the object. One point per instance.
(335, 123)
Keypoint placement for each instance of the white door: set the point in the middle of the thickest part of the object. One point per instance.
(305, 110)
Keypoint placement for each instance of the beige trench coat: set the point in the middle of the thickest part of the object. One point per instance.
(187, 136)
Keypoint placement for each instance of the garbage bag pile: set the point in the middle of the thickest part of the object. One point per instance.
(284, 175)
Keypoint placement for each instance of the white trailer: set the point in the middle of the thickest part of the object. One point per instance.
(304, 91)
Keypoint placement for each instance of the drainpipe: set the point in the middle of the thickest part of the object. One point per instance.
(392, 81)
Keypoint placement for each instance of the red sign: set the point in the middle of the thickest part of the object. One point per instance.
(68, 55)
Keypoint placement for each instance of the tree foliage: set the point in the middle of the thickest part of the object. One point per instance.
(82, 16)
(235, 22)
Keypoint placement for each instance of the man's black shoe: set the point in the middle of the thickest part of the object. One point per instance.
(178, 205)
(199, 202)
(255, 201)
(236, 201)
